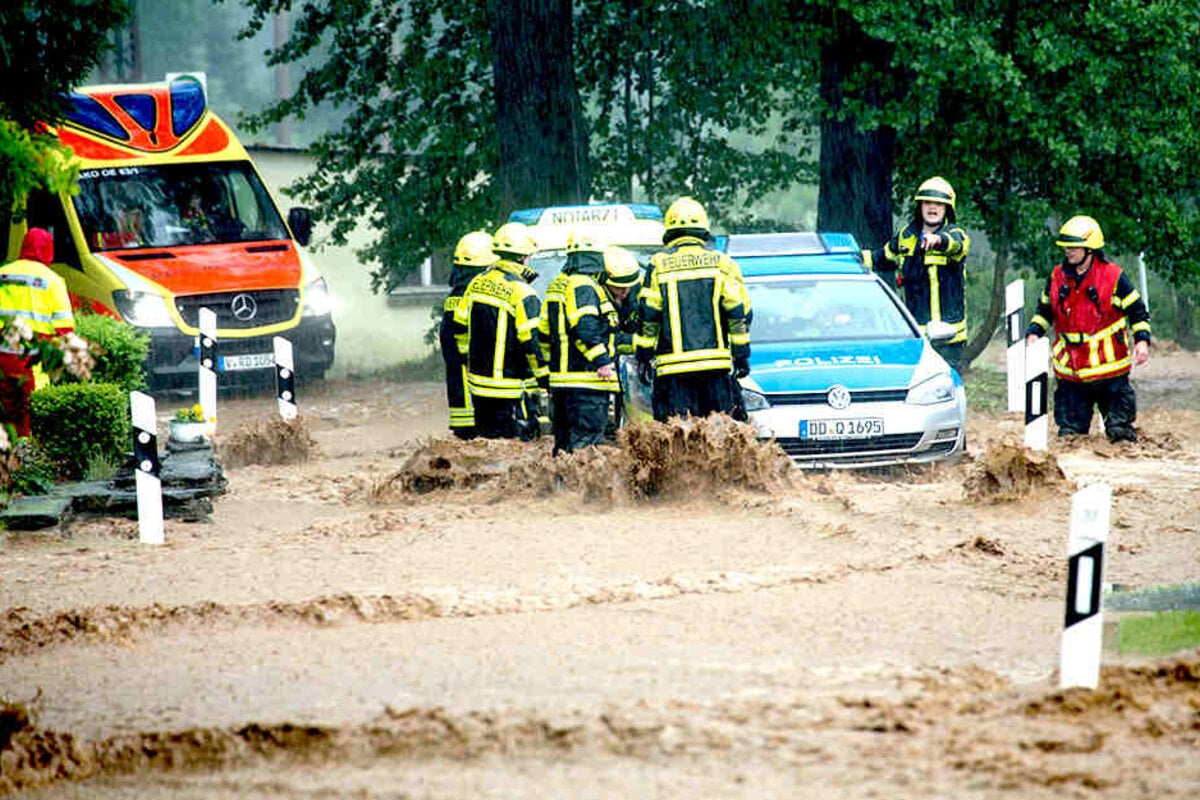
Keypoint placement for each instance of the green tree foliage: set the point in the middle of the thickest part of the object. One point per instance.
(45, 48)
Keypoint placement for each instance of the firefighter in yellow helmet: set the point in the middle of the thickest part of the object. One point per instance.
(472, 255)
(622, 279)
(695, 334)
(929, 256)
(495, 327)
(577, 336)
(1094, 309)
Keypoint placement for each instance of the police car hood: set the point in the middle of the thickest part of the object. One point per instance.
(783, 367)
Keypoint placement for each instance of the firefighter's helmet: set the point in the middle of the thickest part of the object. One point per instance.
(583, 241)
(475, 250)
(1081, 231)
(936, 190)
(514, 238)
(621, 268)
(686, 214)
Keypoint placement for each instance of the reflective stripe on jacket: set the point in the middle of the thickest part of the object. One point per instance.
(495, 327)
(36, 294)
(694, 310)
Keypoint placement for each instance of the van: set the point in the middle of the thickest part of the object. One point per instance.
(637, 227)
(171, 217)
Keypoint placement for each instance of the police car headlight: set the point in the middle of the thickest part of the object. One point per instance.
(143, 309)
(936, 389)
(317, 300)
(754, 401)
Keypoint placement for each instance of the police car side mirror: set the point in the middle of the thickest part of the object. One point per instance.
(300, 221)
(939, 331)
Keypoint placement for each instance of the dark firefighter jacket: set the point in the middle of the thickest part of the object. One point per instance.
(694, 310)
(577, 328)
(1092, 316)
(461, 413)
(495, 327)
(932, 279)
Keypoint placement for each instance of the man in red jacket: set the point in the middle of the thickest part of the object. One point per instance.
(1094, 309)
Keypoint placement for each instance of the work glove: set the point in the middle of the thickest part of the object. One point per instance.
(741, 366)
(645, 373)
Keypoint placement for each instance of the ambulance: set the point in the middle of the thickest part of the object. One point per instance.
(172, 217)
(637, 227)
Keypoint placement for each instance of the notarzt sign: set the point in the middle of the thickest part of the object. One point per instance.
(603, 215)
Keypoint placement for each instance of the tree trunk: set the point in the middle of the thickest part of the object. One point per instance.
(855, 165)
(1002, 245)
(543, 137)
(1185, 327)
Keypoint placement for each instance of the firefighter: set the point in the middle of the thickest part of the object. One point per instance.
(495, 328)
(472, 255)
(577, 328)
(33, 297)
(1094, 308)
(929, 253)
(621, 278)
(695, 334)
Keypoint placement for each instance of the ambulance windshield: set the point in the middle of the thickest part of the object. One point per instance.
(134, 207)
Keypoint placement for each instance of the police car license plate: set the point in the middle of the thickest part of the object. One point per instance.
(248, 361)
(857, 428)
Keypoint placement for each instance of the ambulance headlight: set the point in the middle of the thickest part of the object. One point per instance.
(317, 300)
(143, 309)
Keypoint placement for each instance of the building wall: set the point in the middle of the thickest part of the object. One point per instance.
(372, 334)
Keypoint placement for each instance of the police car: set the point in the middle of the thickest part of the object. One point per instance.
(841, 376)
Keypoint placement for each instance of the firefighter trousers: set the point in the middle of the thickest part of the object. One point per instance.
(1075, 401)
(692, 393)
(580, 419)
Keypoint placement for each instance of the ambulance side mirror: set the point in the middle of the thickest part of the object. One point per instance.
(300, 221)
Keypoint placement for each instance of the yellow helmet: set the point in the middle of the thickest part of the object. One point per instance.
(686, 213)
(621, 268)
(475, 250)
(1081, 231)
(515, 239)
(937, 190)
(584, 242)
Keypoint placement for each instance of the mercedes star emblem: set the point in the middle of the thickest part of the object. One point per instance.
(244, 308)
(838, 397)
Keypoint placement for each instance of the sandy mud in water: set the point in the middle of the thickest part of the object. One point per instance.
(378, 610)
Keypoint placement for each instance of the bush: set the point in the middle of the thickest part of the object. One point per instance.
(123, 351)
(32, 471)
(95, 414)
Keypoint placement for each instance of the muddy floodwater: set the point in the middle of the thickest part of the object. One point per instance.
(375, 610)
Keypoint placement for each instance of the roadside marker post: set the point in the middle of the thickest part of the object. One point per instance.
(1083, 628)
(147, 468)
(208, 364)
(285, 378)
(1014, 321)
(1037, 393)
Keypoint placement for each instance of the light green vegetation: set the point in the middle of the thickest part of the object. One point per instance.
(1158, 634)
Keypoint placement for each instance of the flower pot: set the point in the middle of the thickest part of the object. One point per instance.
(183, 431)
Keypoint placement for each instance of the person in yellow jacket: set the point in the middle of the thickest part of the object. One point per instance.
(578, 338)
(495, 329)
(695, 336)
(472, 255)
(929, 254)
(33, 299)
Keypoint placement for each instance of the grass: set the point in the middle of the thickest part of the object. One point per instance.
(987, 389)
(1159, 634)
(429, 368)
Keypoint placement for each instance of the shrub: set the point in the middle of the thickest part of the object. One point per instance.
(122, 351)
(97, 414)
(32, 471)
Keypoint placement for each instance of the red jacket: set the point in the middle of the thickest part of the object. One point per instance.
(1092, 340)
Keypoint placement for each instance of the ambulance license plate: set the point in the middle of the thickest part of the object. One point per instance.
(248, 361)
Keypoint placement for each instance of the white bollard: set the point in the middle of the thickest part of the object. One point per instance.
(285, 378)
(208, 364)
(1014, 321)
(1083, 629)
(1037, 394)
(149, 482)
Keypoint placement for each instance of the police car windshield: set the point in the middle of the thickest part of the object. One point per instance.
(817, 309)
(175, 204)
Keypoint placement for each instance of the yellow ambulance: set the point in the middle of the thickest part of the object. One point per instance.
(171, 217)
